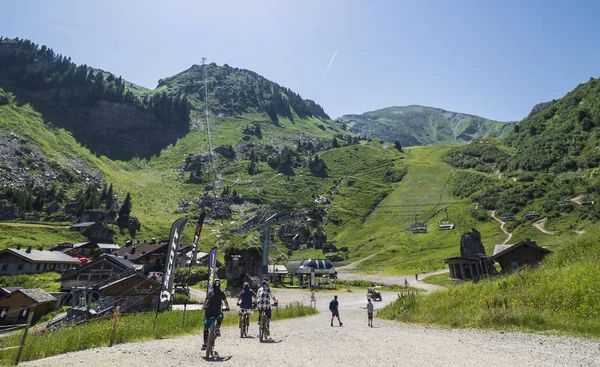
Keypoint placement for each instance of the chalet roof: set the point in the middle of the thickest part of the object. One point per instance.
(119, 262)
(43, 256)
(124, 279)
(104, 246)
(500, 248)
(141, 250)
(36, 294)
(527, 243)
(5, 291)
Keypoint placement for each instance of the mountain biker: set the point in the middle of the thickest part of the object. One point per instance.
(212, 307)
(264, 301)
(246, 298)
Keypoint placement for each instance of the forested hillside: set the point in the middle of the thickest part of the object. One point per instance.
(547, 164)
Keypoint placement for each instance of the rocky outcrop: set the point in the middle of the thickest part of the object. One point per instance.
(239, 263)
(8, 211)
(471, 245)
(97, 215)
(97, 232)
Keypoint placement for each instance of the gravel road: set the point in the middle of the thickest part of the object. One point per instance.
(311, 341)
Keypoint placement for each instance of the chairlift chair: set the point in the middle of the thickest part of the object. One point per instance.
(445, 224)
(418, 227)
(532, 215)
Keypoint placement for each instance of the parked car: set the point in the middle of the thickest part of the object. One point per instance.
(181, 289)
(156, 275)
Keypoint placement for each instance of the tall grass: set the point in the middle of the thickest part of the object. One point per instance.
(130, 328)
(560, 296)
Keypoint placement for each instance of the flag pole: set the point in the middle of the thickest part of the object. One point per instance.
(192, 261)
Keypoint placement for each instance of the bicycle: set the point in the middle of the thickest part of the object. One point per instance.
(244, 322)
(212, 337)
(263, 327)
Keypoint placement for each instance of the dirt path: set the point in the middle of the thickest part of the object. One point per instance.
(541, 225)
(348, 272)
(502, 226)
(312, 342)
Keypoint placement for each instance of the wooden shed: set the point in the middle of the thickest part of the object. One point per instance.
(522, 254)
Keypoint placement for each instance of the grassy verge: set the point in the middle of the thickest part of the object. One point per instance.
(560, 296)
(443, 280)
(46, 281)
(129, 329)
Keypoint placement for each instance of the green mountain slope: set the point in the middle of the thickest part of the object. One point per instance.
(419, 125)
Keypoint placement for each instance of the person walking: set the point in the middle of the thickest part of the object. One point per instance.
(334, 308)
(370, 312)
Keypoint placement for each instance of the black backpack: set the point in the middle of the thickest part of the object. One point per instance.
(332, 305)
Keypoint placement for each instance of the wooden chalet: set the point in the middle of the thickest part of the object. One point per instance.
(152, 256)
(135, 292)
(524, 253)
(14, 261)
(97, 272)
(15, 307)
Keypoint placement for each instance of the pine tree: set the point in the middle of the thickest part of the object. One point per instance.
(335, 143)
(124, 212)
(109, 198)
(397, 145)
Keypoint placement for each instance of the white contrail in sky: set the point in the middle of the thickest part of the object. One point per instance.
(330, 62)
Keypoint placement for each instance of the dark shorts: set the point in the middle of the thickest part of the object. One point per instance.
(335, 313)
(370, 315)
(267, 313)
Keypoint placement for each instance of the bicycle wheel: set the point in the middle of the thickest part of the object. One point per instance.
(246, 325)
(210, 343)
(242, 325)
(260, 331)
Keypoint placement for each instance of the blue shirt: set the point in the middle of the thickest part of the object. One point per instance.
(246, 298)
(333, 306)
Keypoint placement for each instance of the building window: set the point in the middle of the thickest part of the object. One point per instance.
(19, 267)
(37, 267)
(4, 267)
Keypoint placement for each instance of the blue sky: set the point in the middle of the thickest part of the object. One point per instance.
(491, 58)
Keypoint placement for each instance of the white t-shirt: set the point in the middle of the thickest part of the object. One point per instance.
(370, 307)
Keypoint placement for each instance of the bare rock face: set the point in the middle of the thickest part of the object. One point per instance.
(97, 232)
(239, 263)
(8, 211)
(98, 215)
(471, 245)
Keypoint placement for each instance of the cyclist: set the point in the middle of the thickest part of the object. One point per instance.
(246, 298)
(264, 301)
(212, 307)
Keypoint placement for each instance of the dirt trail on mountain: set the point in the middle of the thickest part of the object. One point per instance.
(502, 226)
(541, 225)
(312, 342)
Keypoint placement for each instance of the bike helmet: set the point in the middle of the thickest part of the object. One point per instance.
(246, 285)
(265, 281)
(217, 283)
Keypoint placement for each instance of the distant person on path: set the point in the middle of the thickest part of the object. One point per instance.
(416, 276)
(370, 312)
(405, 282)
(313, 299)
(333, 307)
